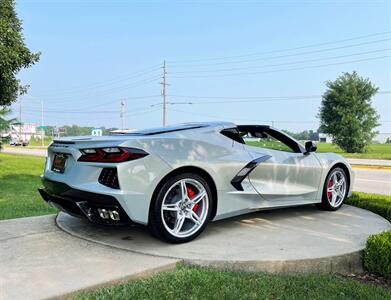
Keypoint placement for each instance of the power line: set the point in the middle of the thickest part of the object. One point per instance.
(107, 91)
(283, 50)
(284, 70)
(256, 97)
(282, 64)
(106, 82)
(283, 56)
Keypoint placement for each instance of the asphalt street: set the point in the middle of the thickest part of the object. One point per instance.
(373, 181)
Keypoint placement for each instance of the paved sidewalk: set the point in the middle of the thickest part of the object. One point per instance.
(369, 162)
(27, 151)
(38, 260)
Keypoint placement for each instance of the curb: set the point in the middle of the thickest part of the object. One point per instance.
(343, 264)
(371, 167)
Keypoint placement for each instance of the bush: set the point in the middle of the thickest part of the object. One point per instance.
(377, 254)
(379, 204)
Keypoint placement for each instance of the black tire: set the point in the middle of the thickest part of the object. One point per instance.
(325, 204)
(156, 225)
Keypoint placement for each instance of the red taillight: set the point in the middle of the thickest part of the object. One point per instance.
(111, 154)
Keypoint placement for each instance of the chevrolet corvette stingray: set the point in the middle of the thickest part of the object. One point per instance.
(176, 179)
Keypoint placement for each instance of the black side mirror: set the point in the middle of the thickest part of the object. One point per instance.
(310, 146)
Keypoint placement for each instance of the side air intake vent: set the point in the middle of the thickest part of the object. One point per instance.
(109, 178)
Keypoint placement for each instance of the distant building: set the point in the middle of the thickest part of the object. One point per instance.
(325, 138)
(96, 132)
(381, 138)
(25, 132)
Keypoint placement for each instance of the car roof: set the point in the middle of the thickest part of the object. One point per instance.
(173, 128)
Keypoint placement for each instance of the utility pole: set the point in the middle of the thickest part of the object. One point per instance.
(122, 114)
(42, 128)
(164, 83)
(20, 118)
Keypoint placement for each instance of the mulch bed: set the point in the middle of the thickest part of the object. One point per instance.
(371, 278)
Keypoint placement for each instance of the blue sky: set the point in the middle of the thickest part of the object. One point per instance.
(95, 52)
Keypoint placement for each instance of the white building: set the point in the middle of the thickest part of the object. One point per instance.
(24, 132)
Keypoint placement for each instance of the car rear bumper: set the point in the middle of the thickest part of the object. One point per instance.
(82, 204)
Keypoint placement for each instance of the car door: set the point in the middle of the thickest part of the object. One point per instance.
(288, 176)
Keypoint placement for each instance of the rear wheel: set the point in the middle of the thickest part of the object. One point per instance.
(181, 209)
(335, 190)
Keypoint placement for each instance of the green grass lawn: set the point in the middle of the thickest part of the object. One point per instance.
(375, 151)
(19, 180)
(38, 142)
(203, 283)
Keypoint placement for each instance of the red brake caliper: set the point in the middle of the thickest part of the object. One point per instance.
(190, 193)
(329, 185)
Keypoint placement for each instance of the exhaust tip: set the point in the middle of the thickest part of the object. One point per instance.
(103, 213)
(114, 215)
(108, 214)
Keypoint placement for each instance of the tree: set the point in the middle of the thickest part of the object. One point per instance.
(5, 125)
(14, 55)
(346, 112)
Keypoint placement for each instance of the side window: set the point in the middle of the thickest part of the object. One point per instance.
(233, 134)
(265, 140)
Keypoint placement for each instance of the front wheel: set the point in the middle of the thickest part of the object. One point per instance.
(335, 190)
(182, 208)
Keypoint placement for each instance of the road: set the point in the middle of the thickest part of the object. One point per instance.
(373, 181)
(367, 180)
(27, 151)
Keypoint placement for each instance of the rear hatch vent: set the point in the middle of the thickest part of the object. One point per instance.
(109, 178)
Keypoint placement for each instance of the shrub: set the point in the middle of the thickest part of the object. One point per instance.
(377, 254)
(379, 204)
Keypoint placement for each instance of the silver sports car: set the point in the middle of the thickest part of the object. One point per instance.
(176, 179)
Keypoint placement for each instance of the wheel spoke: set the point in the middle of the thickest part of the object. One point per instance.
(183, 189)
(335, 179)
(341, 181)
(195, 218)
(334, 198)
(170, 207)
(198, 197)
(330, 189)
(179, 223)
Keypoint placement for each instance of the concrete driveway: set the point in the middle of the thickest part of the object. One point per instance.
(38, 260)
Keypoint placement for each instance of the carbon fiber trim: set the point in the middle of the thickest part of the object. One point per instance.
(243, 173)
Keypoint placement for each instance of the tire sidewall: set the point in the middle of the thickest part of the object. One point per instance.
(325, 200)
(157, 204)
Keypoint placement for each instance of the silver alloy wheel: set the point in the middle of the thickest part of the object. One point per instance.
(185, 207)
(336, 188)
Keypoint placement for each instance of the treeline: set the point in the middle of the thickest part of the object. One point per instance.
(306, 135)
(75, 130)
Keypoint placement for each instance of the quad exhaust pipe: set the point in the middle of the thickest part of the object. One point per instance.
(108, 214)
(103, 213)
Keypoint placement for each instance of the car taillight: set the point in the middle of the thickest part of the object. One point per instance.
(111, 154)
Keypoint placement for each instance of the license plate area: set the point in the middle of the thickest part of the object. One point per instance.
(59, 161)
